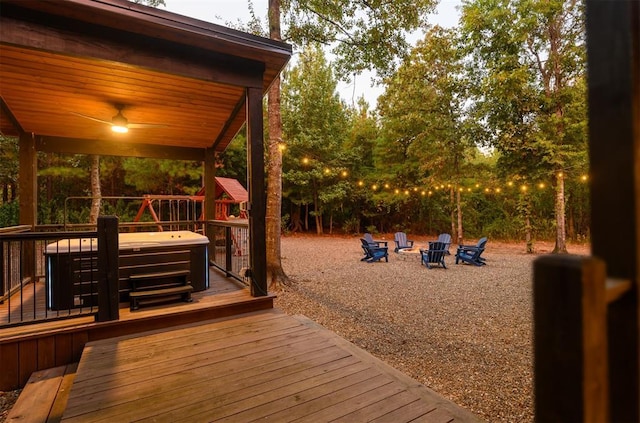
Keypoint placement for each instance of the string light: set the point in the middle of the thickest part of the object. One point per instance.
(344, 173)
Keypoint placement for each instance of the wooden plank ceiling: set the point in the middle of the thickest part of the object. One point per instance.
(62, 60)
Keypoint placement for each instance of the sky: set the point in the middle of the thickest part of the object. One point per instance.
(223, 11)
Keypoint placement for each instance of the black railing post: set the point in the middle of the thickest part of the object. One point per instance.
(228, 247)
(108, 268)
(3, 279)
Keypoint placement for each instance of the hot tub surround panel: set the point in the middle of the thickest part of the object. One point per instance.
(72, 265)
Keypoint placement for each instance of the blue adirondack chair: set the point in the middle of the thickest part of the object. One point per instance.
(400, 238)
(435, 254)
(472, 253)
(373, 253)
(370, 240)
(446, 239)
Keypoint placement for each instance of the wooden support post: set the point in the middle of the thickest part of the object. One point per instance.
(613, 63)
(108, 269)
(570, 339)
(257, 194)
(210, 197)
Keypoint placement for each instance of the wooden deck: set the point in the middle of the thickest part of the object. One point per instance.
(25, 349)
(262, 365)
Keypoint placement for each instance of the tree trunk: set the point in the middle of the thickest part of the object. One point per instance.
(318, 214)
(561, 242)
(296, 223)
(528, 236)
(459, 209)
(95, 189)
(331, 223)
(571, 223)
(306, 217)
(452, 214)
(275, 274)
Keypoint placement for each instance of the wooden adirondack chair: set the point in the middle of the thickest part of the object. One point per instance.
(446, 239)
(370, 240)
(435, 254)
(373, 253)
(472, 253)
(400, 238)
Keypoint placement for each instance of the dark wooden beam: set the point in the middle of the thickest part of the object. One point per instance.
(75, 38)
(613, 63)
(10, 116)
(257, 193)
(112, 148)
(228, 124)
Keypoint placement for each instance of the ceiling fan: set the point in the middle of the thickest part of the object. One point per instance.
(119, 123)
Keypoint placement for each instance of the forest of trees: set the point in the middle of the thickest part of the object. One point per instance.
(481, 131)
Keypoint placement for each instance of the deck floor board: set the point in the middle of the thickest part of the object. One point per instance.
(263, 365)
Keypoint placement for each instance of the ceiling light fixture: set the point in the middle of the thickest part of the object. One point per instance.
(119, 123)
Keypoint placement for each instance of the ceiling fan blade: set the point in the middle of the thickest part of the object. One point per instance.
(146, 125)
(108, 122)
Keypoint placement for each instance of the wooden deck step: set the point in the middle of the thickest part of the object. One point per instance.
(44, 397)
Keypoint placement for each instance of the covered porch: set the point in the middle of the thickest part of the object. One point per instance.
(182, 89)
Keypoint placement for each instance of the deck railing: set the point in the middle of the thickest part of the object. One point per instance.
(229, 248)
(33, 272)
(25, 294)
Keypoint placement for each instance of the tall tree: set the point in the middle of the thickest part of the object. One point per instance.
(422, 118)
(96, 192)
(529, 62)
(363, 35)
(315, 124)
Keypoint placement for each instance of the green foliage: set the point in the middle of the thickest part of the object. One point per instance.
(9, 214)
(362, 35)
(152, 3)
(315, 127)
(528, 73)
(232, 163)
(8, 166)
(171, 177)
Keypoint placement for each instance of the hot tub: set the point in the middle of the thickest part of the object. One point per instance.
(71, 264)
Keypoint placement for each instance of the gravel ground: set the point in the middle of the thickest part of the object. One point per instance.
(465, 332)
